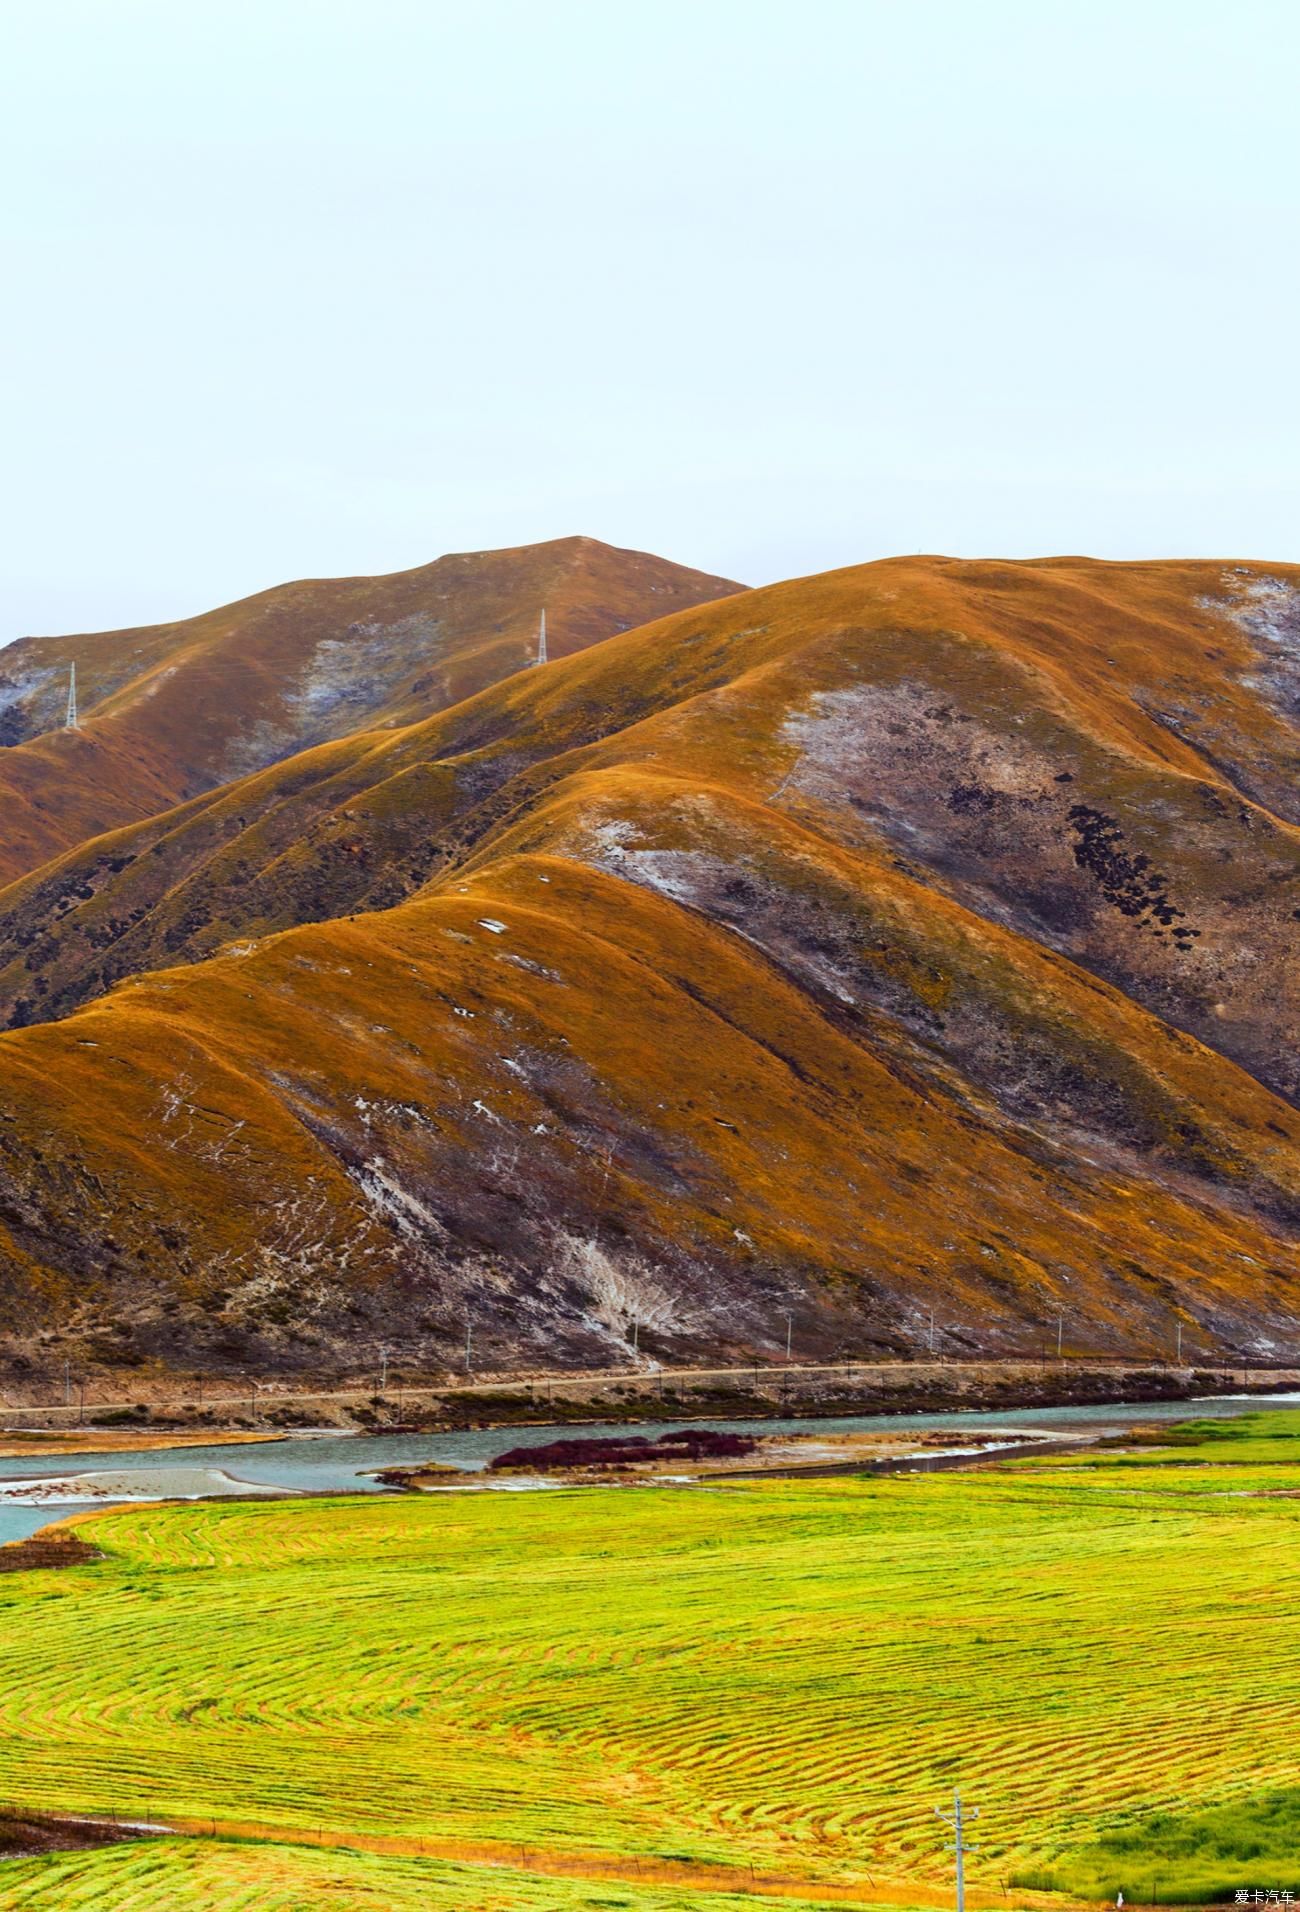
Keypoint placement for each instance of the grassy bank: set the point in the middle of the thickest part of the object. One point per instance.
(784, 1675)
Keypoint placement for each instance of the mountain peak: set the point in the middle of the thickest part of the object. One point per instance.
(179, 708)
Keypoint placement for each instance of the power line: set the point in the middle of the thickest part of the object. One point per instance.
(957, 1845)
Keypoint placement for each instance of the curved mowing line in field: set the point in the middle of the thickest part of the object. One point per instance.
(792, 1673)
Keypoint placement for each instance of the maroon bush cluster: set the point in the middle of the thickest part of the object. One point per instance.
(621, 1450)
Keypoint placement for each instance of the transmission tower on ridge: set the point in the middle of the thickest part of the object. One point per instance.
(541, 640)
(72, 723)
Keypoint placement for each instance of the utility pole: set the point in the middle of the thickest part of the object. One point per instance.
(932, 1330)
(1179, 1356)
(469, 1344)
(383, 1369)
(541, 639)
(957, 1844)
(636, 1324)
(72, 723)
(67, 1382)
(1060, 1330)
(789, 1331)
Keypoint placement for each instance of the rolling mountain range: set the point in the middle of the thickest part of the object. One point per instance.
(173, 710)
(917, 937)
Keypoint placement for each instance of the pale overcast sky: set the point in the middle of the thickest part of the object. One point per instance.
(302, 287)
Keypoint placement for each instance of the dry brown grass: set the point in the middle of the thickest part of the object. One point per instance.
(816, 974)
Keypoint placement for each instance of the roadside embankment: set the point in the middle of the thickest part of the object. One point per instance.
(177, 1406)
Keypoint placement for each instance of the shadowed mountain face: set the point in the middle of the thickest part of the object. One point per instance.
(920, 935)
(171, 710)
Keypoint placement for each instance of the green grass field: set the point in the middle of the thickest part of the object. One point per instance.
(1101, 1650)
(174, 1875)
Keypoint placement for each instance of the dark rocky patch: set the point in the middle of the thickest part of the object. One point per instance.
(1125, 878)
(684, 1444)
(40, 1552)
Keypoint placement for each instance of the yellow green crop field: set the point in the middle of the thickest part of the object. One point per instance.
(678, 1697)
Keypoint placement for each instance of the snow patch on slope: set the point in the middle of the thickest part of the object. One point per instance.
(386, 1198)
(30, 701)
(344, 679)
(623, 1293)
(1267, 610)
(615, 846)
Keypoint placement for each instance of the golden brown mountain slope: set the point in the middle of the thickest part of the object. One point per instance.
(170, 710)
(923, 934)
